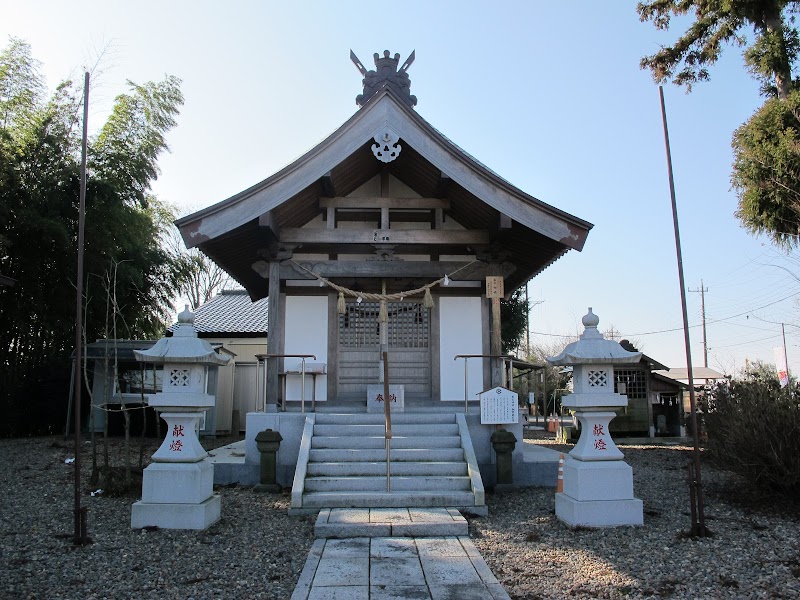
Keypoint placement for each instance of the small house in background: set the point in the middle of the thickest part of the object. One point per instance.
(119, 381)
(703, 378)
(239, 325)
(654, 401)
(230, 322)
(116, 379)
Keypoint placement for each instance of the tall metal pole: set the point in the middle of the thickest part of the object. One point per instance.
(79, 512)
(696, 483)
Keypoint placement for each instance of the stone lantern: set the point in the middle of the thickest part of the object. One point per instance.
(598, 484)
(178, 487)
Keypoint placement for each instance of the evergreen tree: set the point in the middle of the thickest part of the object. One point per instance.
(766, 147)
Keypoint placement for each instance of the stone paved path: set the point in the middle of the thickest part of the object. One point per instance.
(397, 568)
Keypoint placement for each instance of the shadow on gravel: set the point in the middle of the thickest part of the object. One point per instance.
(754, 550)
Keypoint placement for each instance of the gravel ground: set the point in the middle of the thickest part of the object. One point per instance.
(754, 550)
(257, 551)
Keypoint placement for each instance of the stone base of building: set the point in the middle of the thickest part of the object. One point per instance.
(599, 513)
(176, 516)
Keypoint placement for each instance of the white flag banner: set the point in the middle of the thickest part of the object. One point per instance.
(780, 365)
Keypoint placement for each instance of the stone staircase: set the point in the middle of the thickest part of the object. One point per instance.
(342, 463)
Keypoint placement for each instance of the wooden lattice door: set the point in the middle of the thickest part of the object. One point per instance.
(409, 348)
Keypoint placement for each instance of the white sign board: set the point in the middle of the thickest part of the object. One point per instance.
(499, 405)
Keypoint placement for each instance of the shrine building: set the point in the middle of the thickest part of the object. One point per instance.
(385, 237)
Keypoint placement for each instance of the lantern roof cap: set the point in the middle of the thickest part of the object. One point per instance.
(593, 348)
(183, 347)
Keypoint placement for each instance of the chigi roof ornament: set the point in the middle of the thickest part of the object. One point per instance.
(385, 73)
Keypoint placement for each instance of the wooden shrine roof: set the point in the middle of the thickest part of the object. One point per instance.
(522, 230)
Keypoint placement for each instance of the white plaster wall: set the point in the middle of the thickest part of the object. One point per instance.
(306, 333)
(460, 332)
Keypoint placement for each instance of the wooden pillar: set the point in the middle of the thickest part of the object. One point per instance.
(275, 336)
(496, 344)
(494, 291)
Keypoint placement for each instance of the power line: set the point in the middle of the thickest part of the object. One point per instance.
(672, 329)
(772, 337)
(715, 320)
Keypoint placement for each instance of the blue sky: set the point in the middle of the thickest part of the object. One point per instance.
(547, 94)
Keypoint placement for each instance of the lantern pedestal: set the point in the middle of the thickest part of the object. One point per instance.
(595, 442)
(177, 496)
(598, 494)
(176, 516)
(178, 489)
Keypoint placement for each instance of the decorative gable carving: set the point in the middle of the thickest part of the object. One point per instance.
(385, 74)
(386, 148)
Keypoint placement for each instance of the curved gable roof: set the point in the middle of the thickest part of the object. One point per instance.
(381, 111)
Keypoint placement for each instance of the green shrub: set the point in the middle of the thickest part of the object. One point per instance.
(753, 428)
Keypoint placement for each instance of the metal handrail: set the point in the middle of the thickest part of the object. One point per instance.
(466, 358)
(303, 358)
(387, 420)
(505, 357)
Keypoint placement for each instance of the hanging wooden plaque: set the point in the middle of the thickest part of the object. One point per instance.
(494, 287)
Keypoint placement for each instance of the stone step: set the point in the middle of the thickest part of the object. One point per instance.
(378, 418)
(362, 430)
(398, 442)
(453, 499)
(393, 522)
(351, 469)
(324, 455)
(378, 484)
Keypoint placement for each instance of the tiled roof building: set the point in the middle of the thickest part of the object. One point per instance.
(231, 312)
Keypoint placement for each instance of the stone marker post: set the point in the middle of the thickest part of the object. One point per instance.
(268, 442)
(503, 442)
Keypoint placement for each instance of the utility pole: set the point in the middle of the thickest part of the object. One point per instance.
(786, 360)
(703, 291)
(528, 322)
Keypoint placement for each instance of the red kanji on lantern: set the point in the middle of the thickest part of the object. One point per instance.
(598, 430)
(177, 430)
(599, 445)
(176, 446)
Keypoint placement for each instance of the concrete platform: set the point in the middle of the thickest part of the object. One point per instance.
(387, 568)
(389, 522)
(230, 466)
(539, 466)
